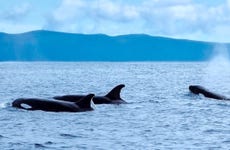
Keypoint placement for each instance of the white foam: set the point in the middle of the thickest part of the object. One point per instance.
(3, 105)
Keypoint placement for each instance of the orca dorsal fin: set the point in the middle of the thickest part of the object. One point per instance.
(114, 94)
(85, 102)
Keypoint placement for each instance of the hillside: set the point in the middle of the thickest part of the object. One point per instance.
(56, 46)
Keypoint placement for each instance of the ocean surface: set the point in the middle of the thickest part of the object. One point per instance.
(161, 112)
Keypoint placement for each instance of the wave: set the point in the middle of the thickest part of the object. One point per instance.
(68, 135)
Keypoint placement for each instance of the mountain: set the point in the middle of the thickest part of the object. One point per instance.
(56, 46)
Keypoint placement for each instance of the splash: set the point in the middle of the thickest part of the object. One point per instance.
(4, 105)
(217, 73)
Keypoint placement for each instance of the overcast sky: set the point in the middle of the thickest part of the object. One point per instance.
(207, 20)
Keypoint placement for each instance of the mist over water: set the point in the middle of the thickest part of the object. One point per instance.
(26, 47)
(217, 73)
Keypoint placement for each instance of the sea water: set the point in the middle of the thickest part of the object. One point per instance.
(161, 112)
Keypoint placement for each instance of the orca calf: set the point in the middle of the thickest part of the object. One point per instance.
(197, 89)
(113, 97)
(53, 105)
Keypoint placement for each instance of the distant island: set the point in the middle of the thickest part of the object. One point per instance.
(44, 45)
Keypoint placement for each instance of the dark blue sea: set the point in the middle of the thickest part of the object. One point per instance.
(161, 112)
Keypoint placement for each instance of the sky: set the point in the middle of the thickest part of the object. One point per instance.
(187, 19)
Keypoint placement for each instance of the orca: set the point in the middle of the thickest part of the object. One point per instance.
(113, 97)
(197, 89)
(53, 105)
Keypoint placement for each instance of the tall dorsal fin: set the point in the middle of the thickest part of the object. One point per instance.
(85, 102)
(114, 94)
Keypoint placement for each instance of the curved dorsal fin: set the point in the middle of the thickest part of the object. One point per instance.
(114, 94)
(85, 102)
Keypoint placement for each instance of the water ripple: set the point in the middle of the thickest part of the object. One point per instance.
(69, 135)
(160, 114)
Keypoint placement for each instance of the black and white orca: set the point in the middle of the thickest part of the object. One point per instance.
(113, 97)
(197, 89)
(84, 104)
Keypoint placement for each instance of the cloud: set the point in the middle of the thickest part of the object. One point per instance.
(17, 28)
(15, 19)
(187, 20)
(91, 16)
(174, 18)
(17, 13)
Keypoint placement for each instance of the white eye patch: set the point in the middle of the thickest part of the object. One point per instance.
(25, 106)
